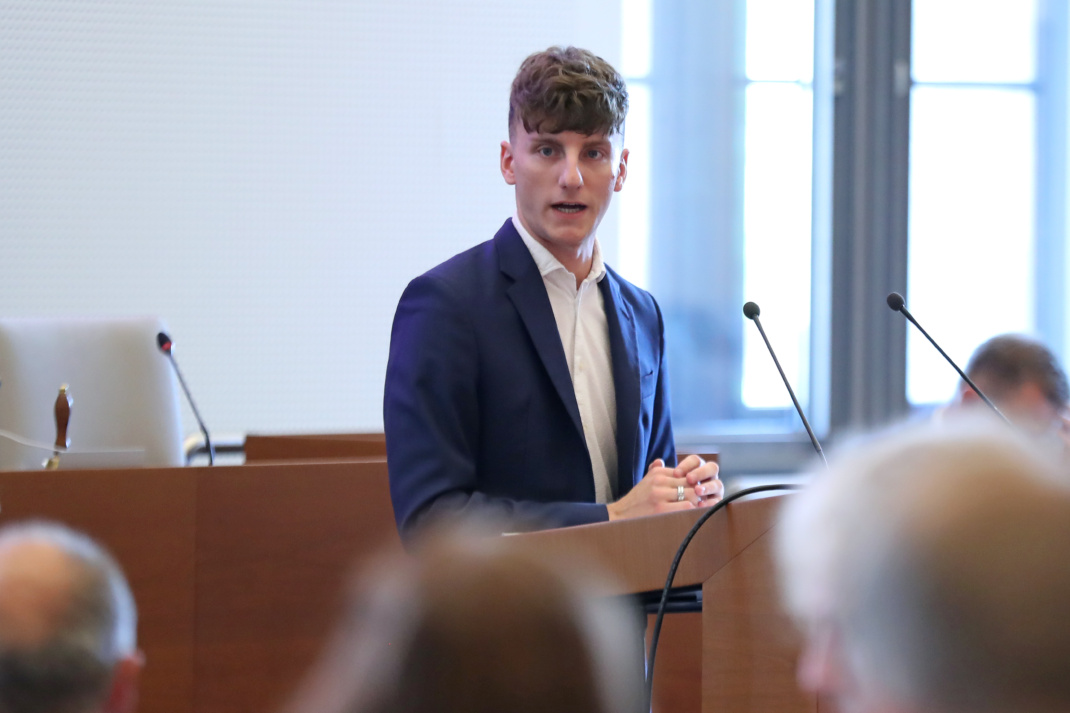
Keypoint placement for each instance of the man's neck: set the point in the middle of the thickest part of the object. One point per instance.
(579, 262)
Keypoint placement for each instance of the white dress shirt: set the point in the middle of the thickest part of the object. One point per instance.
(581, 321)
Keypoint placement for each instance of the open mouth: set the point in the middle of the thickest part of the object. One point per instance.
(569, 207)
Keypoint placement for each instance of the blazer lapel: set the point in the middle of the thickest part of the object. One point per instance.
(624, 351)
(528, 295)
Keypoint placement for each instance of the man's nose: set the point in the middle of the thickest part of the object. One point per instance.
(571, 175)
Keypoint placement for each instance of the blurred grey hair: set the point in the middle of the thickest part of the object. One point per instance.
(71, 670)
(936, 555)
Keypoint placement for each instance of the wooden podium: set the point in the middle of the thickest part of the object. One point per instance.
(748, 645)
(239, 574)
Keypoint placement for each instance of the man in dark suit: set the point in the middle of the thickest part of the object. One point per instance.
(527, 379)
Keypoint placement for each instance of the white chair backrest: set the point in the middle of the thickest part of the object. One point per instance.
(125, 396)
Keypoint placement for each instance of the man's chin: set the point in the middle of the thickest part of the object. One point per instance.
(568, 240)
(572, 230)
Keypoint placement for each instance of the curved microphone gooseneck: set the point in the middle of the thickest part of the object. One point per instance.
(751, 312)
(898, 304)
(164, 342)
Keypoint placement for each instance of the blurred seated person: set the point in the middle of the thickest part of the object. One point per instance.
(68, 625)
(927, 571)
(466, 626)
(1023, 378)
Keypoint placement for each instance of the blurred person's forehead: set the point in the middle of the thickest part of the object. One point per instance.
(36, 578)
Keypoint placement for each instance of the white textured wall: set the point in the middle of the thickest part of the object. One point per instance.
(265, 175)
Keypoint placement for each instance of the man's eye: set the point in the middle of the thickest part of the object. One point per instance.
(546, 151)
(594, 153)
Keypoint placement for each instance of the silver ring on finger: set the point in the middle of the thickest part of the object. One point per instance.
(679, 493)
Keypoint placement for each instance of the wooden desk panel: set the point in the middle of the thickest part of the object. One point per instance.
(276, 547)
(314, 447)
(145, 517)
(237, 572)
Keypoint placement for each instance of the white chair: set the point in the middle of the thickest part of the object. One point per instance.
(125, 397)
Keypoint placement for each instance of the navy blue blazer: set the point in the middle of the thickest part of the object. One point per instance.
(479, 408)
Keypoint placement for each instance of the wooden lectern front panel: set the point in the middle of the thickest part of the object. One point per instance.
(748, 646)
(751, 645)
(678, 670)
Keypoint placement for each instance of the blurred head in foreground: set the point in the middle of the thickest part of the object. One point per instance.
(472, 625)
(928, 571)
(67, 624)
(1023, 378)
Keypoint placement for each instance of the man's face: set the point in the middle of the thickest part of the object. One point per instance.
(1025, 405)
(564, 183)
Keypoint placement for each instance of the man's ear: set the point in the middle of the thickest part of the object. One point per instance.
(507, 163)
(123, 694)
(622, 173)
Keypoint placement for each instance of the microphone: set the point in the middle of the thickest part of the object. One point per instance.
(751, 312)
(898, 304)
(164, 342)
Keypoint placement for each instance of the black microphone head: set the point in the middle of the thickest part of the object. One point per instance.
(750, 310)
(164, 342)
(896, 301)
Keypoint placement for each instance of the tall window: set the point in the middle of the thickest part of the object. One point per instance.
(721, 213)
(973, 181)
(637, 41)
(777, 195)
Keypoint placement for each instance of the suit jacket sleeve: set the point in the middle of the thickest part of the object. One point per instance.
(433, 422)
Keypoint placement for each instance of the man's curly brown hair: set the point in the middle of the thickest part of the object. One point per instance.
(568, 89)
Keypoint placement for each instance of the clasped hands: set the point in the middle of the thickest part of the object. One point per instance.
(658, 491)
